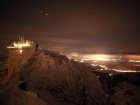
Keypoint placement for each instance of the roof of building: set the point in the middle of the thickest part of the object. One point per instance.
(21, 43)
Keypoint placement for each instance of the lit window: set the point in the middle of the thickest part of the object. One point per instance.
(20, 51)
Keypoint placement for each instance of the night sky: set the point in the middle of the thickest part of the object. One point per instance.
(85, 26)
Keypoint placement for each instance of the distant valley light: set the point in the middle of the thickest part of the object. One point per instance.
(109, 62)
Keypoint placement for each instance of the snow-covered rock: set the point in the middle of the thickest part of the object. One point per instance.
(69, 81)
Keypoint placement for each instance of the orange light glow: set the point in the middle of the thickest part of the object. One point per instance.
(97, 57)
(20, 51)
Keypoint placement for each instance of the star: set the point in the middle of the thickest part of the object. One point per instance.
(46, 14)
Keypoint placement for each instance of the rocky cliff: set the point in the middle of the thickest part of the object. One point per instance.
(67, 80)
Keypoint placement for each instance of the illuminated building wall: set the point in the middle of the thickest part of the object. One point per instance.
(19, 53)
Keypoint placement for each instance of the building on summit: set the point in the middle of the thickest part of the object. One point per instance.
(19, 52)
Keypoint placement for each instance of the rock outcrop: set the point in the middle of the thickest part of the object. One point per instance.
(69, 81)
(125, 94)
(12, 95)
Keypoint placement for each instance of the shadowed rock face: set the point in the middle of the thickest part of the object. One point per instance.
(11, 95)
(3, 68)
(69, 81)
(126, 94)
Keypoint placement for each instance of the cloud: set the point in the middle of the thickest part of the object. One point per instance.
(64, 41)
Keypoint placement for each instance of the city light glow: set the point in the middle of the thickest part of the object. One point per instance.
(98, 57)
(101, 62)
(134, 61)
(125, 71)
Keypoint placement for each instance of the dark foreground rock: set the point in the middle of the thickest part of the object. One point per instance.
(12, 95)
(126, 94)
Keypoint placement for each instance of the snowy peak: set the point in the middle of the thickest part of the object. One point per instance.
(69, 81)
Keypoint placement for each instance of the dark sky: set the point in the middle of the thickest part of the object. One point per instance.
(91, 26)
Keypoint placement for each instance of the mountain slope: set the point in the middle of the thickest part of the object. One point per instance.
(69, 81)
(12, 95)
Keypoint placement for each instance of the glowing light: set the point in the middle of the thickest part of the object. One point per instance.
(21, 44)
(69, 57)
(94, 64)
(104, 67)
(86, 59)
(134, 61)
(101, 59)
(127, 71)
(97, 57)
(110, 74)
(114, 60)
(74, 54)
(20, 51)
